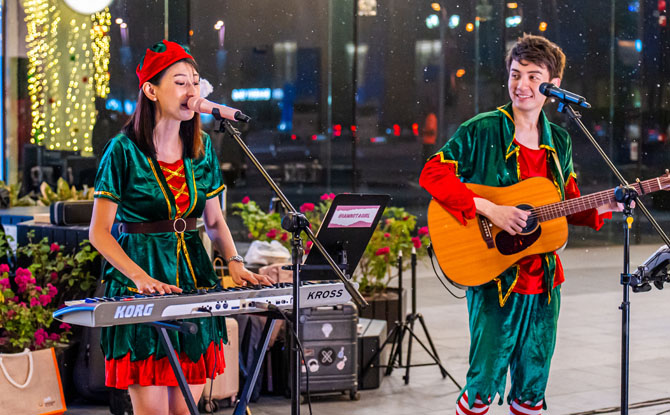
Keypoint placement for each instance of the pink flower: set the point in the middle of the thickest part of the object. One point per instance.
(54, 336)
(308, 247)
(40, 336)
(332, 196)
(52, 290)
(65, 326)
(5, 283)
(4, 268)
(423, 230)
(246, 200)
(383, 251)
(54, 276)
(417, 242)
(34, 302)
(44, 300)
(38, 289)
(307, 207)
(10, 313)
(250, 235)
(387, 235)
(284, 236)
(325, 196)
(272, 233)
(54, 247)
(14, 299)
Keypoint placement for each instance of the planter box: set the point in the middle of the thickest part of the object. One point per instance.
(386, 306)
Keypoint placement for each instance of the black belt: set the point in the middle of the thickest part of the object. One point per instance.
(179, 225)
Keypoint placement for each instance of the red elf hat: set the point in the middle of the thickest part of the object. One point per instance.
(158, 57)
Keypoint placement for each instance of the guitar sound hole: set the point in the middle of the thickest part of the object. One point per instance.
(509, 245)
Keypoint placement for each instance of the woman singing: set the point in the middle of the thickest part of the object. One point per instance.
(156, 178)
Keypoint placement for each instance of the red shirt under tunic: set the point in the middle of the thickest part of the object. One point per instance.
(176, 180)
(440, 180)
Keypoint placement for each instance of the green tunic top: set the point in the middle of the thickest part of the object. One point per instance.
(135, 182)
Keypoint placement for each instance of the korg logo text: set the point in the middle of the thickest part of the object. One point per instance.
(315, 295)
(133, 310)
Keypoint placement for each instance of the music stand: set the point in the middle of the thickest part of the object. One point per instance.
(345, 232)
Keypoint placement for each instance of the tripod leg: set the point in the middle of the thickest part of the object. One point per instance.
(410, 327)
(437, 358)
(432, 346)
(390, 339)
(398, 332)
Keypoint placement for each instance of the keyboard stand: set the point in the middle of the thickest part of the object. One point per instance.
(259, 356)
(185, 327)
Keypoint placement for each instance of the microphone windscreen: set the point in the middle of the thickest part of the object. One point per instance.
(544, 86)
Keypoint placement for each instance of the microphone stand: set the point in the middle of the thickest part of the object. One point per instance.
(294, 222)
(625, 194)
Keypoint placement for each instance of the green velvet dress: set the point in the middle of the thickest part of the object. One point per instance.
(134, 182)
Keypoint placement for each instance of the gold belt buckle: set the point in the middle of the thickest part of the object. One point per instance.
(176, 221)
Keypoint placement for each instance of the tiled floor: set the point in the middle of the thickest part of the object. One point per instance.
(585, 373)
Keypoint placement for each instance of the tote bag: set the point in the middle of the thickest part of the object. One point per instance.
(30, 384)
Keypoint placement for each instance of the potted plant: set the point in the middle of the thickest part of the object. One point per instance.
(378, 267)
(35, 280)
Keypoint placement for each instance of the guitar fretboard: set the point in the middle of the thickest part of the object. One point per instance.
(592, 201)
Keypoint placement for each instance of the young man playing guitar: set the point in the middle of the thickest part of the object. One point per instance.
(512, 319)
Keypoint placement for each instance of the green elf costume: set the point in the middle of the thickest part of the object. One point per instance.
(148, 191)
(513, 319)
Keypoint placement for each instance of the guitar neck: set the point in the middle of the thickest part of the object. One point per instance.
(592, 201)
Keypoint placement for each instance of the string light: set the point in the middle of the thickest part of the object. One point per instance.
(63, 92)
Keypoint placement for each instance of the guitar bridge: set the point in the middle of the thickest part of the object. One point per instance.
(485, 226)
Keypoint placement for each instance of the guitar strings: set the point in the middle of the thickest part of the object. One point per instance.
(568, 207)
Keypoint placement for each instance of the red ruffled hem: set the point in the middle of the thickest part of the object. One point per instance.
(121, 373)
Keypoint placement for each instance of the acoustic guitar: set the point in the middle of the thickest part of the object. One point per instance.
(478, 252)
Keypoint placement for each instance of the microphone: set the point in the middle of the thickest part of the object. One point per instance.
(566, 97)
(201, 105)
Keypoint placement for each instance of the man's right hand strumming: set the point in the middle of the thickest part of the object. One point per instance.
(509, 218)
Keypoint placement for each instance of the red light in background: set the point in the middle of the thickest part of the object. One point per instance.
(396, 129)
(314, 137)
(337, 130)
(415, 129)
(353, 128)
(661, 5)
(294, 137)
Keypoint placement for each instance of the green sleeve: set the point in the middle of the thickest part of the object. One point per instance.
(112, 172)
(460, 150)
(211, 164)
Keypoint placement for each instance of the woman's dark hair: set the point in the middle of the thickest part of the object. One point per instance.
(140, 126)
(540, 51)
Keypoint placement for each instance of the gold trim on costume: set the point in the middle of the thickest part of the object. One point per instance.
(167, 200)
(103, 193)
(194, 198)
(172, 173)
(454, 162)
(215, 191)
(502, 300)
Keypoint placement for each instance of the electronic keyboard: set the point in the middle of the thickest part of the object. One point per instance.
(142, 308)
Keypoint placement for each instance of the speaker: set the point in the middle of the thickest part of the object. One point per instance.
(75, 212)
(370, 338)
